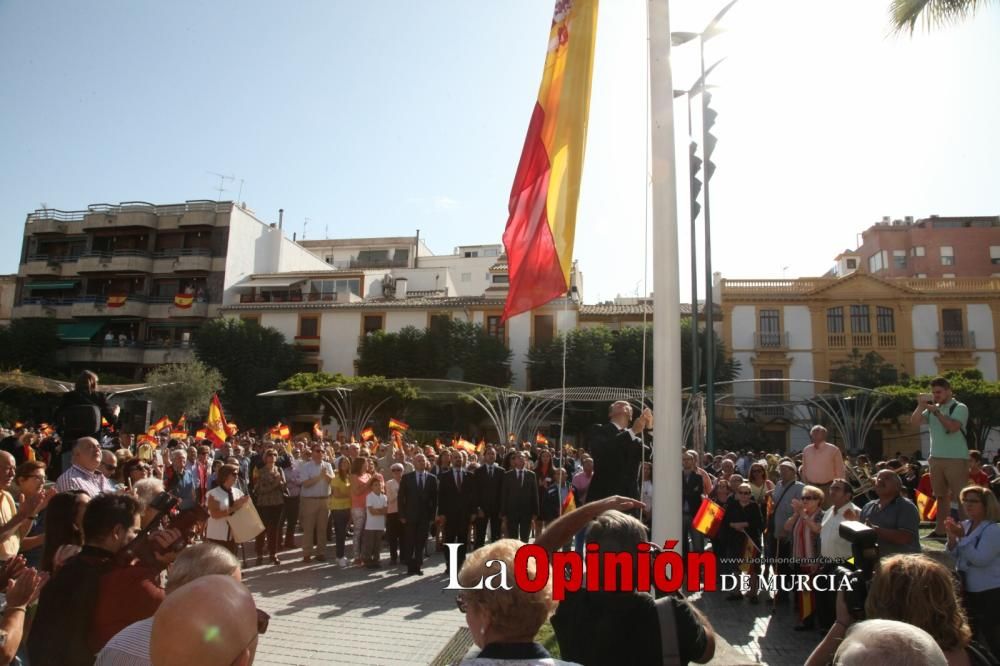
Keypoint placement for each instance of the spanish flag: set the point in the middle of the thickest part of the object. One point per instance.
(541, 439)
(18, 425)
(481, 447)
(117, 300)
(367, 434)
(183, 301)
(466, 445)
(146, 439)
(317, 430)
(155, 429)
(201, 433)
(540, 229)
(215, 423)
(46, 430)
(396, 424)
(397, 439)
(231, 429)
(280, 431)
(569, 502)
(709, 518)
(927, 505)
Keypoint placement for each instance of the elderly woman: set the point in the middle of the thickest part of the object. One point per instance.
(760, 485)
(503, 622)
(146, 491)
(269, 498)
(803, 528)
(223, 501)
(975, 543)
(918, 590)
(135, 470)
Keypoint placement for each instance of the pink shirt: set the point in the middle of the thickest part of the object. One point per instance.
(359, 491)
(822, 463)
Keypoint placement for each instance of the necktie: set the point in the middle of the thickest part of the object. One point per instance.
(420, 480)
(489, 471)
(520, 478)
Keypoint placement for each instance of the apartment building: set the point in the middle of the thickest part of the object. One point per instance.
(129, 284)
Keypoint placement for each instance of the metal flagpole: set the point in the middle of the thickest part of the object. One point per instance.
(666, 281)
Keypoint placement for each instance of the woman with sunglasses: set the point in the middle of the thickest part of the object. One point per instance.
(745, 523)
(760, 485)
(804, 526)
(269, 498)
(135, 470)
(975, 543)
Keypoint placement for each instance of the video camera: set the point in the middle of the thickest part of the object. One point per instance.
(186, 522)
(864, 552)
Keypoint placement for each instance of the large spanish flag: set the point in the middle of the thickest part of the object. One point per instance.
(539, 234)
(215, 423)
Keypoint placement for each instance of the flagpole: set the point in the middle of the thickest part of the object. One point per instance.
(666, 280)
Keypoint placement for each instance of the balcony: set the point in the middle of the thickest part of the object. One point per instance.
(97, 306)
(41, 265)
(157, 354)
(956, 340)
(770, 341)
(162, 307)
(33, 308)
(127, 214)
(307, 344)
(197, 217)
(182, 260)
(117, 261)
(103, 353)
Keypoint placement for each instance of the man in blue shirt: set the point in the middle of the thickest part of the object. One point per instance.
(183, 483)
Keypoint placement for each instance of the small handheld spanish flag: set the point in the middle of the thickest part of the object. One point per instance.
(317, 430)
(927, 505)
(396, 424)
(481, 447)
(201, 433)
(709, 518)
(367, 433)
(466, 445)
(541, 439)
(569, 502)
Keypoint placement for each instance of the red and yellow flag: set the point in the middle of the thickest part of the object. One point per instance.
(569, 502)
(215, 423)
(201, 433)
(541, 439)
(162, 423)
(367, 434)
(466, 445)
(231, 429)
(280, 431)
(183, 301)
(396, 424)
(927, 505)
(709, 518)
(317, 430)
(542, 222)
(117, 300)
(481, 447)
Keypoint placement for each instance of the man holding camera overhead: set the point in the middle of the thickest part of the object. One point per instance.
(946, 419)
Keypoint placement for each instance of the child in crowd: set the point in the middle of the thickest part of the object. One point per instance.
(377, 505)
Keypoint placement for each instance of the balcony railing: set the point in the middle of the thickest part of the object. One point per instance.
(115, 260)
(130, 207)
(378, 263)
(182, 252)
(956, 340)
(770, 340)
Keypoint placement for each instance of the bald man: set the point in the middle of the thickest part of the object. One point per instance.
(211, 621)
(85, 473)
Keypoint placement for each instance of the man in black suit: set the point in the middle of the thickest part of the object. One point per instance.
(489, 489)
(418, 494)
(618, 450)
(519, 500)
(456, 506)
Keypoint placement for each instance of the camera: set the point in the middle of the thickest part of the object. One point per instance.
(163, 503)
(864, 552)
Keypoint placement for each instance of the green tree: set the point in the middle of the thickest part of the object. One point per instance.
(453, 349)
(369, 396)
(30, 345)
(252, 359)
(183, 388)
(968, 386)
(726, 367)
(932, 13)
(866, 370)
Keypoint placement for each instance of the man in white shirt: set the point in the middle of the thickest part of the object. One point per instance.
(315, 475)
(822, 462)
(834, 546)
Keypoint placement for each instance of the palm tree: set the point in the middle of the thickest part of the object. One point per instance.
(933, 13)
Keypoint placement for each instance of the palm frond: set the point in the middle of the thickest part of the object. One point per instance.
(932, 13)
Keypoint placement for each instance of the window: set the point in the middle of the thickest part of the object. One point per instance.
(951, 327)
(491, 252)
(471, 254)
(309, 327)
(501, 279)
(466, 277)
(995, 254)
(899, 258)
(885, 321)
(327, 290)
(835, 320)
(439, 322)
(328, 259)
(372, 323)
(852, 264)
(770, 387)
(545, 329)
(859, 319)
(250, 319)
(769, 328)
(877, 262)
(920, 275)
(947, 275)
(495, 326)
(917, 251)
(947, 255)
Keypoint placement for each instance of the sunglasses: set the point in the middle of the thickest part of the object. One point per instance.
(810, 497)
(742, 492)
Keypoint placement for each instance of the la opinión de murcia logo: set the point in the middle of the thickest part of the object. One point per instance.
(665, 570)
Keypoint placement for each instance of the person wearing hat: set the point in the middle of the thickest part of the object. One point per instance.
(788, 488)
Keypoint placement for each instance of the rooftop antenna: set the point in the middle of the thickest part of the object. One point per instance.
(222, 182)
(239, 197)
(326, 231)
(305, 225)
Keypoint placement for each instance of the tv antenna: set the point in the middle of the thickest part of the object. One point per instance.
(222, 182)
(305, 225)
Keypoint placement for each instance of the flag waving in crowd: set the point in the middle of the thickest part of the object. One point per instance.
(215, 423)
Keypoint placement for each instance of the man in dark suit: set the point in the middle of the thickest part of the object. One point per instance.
(418, 493)
(618, 450)
(519, 500)
(456, 506)
(489, 488)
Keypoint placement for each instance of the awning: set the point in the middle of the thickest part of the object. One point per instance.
(83, 331)
(53, 286)
(270, 282)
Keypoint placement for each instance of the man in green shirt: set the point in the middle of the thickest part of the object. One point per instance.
(946, 419)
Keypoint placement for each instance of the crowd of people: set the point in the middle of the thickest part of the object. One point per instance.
(97, 552)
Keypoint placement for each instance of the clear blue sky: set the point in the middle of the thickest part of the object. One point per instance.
(383, 118)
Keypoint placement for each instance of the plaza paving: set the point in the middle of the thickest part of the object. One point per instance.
(321, 614)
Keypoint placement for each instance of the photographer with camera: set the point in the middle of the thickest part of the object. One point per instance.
(917, 590)
(95, 594)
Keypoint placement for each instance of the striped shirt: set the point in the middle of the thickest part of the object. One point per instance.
(129, 647)
(77, 478)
